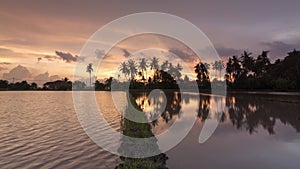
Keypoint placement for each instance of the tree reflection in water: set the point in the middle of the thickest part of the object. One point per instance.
(140, 148)
(253, 112)
(248, 111)
(155, 106)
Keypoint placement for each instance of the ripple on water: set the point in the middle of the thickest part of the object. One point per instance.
(41, 130)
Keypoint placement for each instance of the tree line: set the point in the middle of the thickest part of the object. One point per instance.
(244, 72)
(247, 72)
(23, 85)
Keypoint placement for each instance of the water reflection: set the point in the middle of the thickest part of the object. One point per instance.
(153, 107)
(251, 113)
(142, 147)
(248, 112)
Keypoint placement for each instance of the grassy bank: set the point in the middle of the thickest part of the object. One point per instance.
(139, 130)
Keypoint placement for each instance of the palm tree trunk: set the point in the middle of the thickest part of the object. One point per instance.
(90, 80)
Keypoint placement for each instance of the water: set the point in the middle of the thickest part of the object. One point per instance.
(41, 130)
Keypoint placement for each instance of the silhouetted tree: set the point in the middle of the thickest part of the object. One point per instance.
(218, 66)
(165, 65)
(19, 86)
(261, 64)
(99, 86)
(247, 62)
(4, 85)
(202, 75)
(143, 67)
(260, 73)
(132, 68)
(154, 63)
(108, 83)
(33, 86)
(78, 85)
(124, 69)
(89, 69)
(233, 70)
(175, 71)
(186, 79)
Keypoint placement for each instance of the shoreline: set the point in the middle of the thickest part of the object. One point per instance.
(263, 92)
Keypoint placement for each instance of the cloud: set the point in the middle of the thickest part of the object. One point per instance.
(54, 77)
(22, 42)
(187, 55)
(68, 57)
(39, 59)
(99, 53)
(20, 73)
(279, 49)
(51, 57)
(44, 77)
(126, 53)
(2, 68)
(5, 50)
(5, 63)
(223, 51)
(17, 73)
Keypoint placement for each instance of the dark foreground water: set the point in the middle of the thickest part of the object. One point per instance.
(41, 130)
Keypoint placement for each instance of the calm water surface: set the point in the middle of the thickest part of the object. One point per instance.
(41, 130)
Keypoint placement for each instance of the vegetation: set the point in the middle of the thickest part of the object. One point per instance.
(89, 69)
(139, 130)
(253, 113)
(24, 85)
(151, 75)
(259, 73)
(242, 73)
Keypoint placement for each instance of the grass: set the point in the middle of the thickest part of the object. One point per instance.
(139, 130)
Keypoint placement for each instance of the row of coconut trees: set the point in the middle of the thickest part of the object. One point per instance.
(202, 68)
(144, 68)
(132, 69)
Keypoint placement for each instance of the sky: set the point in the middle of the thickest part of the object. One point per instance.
(41, 40)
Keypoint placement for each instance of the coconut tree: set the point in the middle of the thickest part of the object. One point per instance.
(89, 69)
(215, 66)
(261, 64)
(124, 69)
(154, 63)
(165, 65)
(132, 68)
(236, 67)
(202, 73)
(247, 62)
(229, 69)
(143, 67)
(207, 66)
(175, 71)
(218, 66)
(178, 69)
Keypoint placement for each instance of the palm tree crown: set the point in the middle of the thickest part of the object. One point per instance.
(132, 68)
(154, 63)
(124, 69)
(165, 65)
